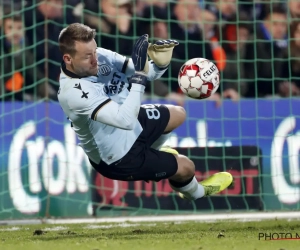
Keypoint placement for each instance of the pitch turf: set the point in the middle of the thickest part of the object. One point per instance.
(148, 236)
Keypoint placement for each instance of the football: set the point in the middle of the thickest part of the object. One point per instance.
(199, 78)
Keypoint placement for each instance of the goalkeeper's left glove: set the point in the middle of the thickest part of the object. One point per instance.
(161, 52)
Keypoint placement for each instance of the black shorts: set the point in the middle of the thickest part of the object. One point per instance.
(143, 162)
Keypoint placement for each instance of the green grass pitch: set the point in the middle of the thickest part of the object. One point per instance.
(151, 236)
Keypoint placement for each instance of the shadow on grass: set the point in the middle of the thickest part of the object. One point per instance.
(169, 231)
(118, 234)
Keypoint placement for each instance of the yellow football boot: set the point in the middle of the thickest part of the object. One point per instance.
(215, 184)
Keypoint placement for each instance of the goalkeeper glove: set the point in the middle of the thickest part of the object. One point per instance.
(139, 55)
(161, 52)
(140, 61)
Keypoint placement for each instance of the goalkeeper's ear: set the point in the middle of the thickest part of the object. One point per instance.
(161, 52)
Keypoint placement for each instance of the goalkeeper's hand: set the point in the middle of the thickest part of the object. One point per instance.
(161, 52)
(139, 55)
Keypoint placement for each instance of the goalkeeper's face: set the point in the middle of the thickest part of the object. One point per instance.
(84, 62)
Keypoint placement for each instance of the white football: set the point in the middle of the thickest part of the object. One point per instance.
(199, 78)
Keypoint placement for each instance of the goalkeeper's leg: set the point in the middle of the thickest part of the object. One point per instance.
(177, 117)
(185, 183)
(184, 180)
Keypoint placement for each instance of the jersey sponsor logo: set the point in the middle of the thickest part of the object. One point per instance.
(115, 86)
(104, 70)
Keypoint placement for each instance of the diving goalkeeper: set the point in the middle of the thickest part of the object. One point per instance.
(122, 138)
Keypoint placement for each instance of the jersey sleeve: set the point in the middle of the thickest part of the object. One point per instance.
(121, 63)
(153, 74)
(84, 99)
(122, 116)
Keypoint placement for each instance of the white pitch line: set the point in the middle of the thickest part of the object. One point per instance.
(59, 228)
(10, 229)
(93, 226)
(242, 217)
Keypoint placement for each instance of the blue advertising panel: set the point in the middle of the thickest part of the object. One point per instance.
(42, 170)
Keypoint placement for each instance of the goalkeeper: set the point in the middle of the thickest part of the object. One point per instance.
(121, 137)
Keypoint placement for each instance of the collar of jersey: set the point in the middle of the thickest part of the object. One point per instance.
(68, 72)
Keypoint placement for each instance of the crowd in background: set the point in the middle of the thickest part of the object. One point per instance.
(254, 43)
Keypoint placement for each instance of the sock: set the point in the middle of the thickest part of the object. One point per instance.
(160, 141)
(191, 190)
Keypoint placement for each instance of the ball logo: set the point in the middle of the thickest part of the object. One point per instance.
(104, 70)
(210, 71)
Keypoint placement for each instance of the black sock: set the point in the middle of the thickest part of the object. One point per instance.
(180, 184)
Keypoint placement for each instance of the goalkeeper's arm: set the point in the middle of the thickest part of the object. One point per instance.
(124, 116)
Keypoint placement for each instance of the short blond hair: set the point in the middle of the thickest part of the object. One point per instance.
(75, 32)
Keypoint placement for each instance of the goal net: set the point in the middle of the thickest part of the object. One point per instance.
(250, 128)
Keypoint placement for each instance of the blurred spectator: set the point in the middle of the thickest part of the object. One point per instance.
(12, 5)
(209, 26)
(223, 9)
(265, 53)
(185, 28)
(235, 35)
(89, 13)
(207, 22)
(294, 8)
(252, 67)
(19, 80)
(44, 23)
(154, 23)
(115, 26)
(291, 69)
(258, 9)
(141, 5)
(157, 29)
(253, 8)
